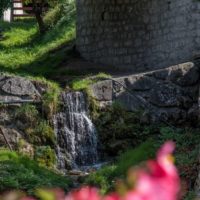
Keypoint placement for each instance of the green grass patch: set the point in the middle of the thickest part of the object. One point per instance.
(20, 173)
(83, 84)
(23, 50)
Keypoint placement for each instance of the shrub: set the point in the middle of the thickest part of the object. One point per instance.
(53, 16)
(115, 125)
(21, 173)
(45, 132)
(45, 156)
(27, 113)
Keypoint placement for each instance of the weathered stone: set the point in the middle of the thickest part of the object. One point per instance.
(165, 96)
(102, 91)
(140, 83)
(184, 74)
(170, 94)
(12, 135)
(19, 86)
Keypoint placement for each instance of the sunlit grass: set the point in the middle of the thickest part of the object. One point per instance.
(23, 50)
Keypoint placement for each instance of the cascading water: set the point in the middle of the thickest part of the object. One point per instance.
(75, 133)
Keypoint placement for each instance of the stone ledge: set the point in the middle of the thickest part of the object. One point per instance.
(170, 94)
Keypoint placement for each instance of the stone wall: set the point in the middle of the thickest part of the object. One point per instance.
(138, 35)
(166, 95)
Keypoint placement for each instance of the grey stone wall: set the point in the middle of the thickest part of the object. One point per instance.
(169, 95)
(138, 35)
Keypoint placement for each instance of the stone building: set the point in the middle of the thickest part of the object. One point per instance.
(138, 35)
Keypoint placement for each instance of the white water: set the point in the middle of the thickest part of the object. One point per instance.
(75, 133)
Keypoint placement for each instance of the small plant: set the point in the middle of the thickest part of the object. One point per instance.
(45, 132)
(51, 100)
(27, 113)
(45, 156)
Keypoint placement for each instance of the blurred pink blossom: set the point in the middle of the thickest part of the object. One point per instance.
(158, 181)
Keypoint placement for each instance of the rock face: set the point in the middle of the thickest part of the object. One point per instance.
(170, 94)
(138, 35)
(14, 91)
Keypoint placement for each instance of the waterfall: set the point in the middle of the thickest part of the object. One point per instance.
(75, 133)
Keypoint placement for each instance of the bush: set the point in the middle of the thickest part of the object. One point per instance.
(45, 156)
(61, 13)
(53, 16)
(27, 113)
(118, 126)
(4, 4)
(21, 173)
(45, 132)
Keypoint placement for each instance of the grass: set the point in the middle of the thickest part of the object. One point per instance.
(23, 51)
(21, 173)
(84, 83)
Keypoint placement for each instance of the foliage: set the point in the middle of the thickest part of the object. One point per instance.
(27, 113)
(45, 132)
(45, 156)
(105, 177)
(59, 14)
(51, 100)
(4, 4)
(119, 129)
(83, 84)
(158, 179)
(187, 151)
(21, 173)
(52, 17)
(132, 157)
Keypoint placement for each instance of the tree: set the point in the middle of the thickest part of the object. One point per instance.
(4, 4)
(39, 8)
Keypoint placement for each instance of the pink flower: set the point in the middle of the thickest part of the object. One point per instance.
(85, 193)
(161, 182)
(112, 196)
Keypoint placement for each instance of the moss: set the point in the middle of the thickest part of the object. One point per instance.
(83, 84)
(45, 156)
(93, 104)
(27, 113)
(50, 100)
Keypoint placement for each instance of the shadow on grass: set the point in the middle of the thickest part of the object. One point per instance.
(44, 52)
